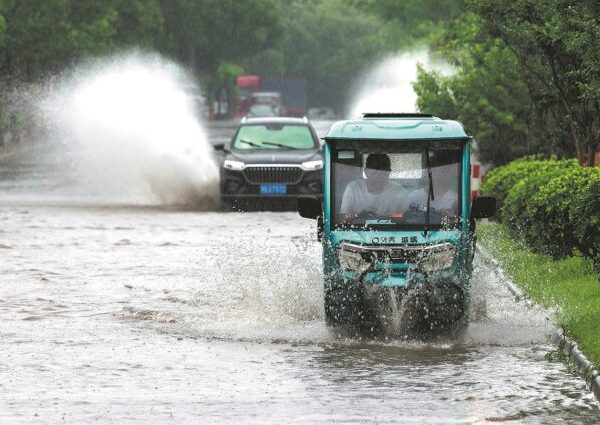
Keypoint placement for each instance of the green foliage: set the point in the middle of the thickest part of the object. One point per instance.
(527, 78)
(556, 44)
(584, 214)
(409, 22)
(518, 210)
(551, 229)
(551, 204)
(205, 33)
(2, 26)
(496, 107)
(500, 180)
(43, 37)
(435, 94)
(328, 42)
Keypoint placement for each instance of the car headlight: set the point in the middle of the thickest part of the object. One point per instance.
(233, 165)
(312, 165)
(437, 259)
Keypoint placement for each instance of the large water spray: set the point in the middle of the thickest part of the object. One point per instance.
(388, 87)
(131, 129)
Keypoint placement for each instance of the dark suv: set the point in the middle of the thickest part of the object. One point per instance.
(270, 162)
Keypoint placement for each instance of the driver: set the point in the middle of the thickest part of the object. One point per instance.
(375, 196)
(445, 202)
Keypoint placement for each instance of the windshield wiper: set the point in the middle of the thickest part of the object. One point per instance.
(256, 145)
(430, 196)
(279, 145)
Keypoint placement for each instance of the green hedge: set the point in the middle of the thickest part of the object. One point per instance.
(500, 180)
(518, 210)
(584, 214)
(554, 205)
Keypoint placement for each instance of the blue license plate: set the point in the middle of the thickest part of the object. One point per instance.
(273, 189)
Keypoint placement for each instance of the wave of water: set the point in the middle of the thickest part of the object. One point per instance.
(388, 87)
(129, 127)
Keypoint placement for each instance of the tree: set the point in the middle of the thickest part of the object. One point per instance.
(412, 22)
(205, 33)
(487, 93)
(42, 37)
(327, 42)
(213, 36)
(556, 43)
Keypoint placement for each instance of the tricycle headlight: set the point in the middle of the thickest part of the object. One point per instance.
(352, 261)
(437, 259)
(312, 165)
(233, 165)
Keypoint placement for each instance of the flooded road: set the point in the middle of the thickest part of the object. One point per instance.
(145, 314)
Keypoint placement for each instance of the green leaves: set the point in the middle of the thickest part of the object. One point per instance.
(556, 44)
(43, 37)
(528, 79)
(553, 205)
(205, 33)
(328, 42)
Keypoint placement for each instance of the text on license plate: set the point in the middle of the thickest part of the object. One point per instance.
(273, 189)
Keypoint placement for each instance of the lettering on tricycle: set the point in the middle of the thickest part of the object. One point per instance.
(392, 239)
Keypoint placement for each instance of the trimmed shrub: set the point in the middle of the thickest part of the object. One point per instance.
(553, 205)
(501, 180)
(518, 212)
(584, 214)
(551, 229)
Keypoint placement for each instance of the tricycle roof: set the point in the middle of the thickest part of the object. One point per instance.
(377, 126)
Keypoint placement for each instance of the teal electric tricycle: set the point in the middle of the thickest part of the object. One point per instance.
(397, 223)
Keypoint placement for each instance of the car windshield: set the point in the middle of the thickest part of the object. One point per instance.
(273, 136)
(378, 186)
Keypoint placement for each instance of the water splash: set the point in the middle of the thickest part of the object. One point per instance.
(130, 127)
(388, 87)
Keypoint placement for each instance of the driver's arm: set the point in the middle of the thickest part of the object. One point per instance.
(348, 207)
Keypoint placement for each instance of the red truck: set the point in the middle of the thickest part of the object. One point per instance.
(292, 93)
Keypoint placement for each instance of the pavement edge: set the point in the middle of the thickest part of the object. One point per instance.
(570, 349)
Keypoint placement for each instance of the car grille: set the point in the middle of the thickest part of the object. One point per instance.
(259, 175)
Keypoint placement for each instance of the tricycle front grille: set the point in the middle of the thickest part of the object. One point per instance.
(258, 175)
(406, 254)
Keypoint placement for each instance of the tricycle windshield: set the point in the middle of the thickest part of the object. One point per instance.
(379, 185)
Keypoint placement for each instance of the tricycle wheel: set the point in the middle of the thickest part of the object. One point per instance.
(428, 310)
(346, 306)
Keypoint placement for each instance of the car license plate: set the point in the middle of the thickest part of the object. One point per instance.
(273, 189)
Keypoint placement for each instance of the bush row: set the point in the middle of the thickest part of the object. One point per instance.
(554, 205)
(501, 179)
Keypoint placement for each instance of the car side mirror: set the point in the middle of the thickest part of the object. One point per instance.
(483, 207)
(219, 147)
(309, 207)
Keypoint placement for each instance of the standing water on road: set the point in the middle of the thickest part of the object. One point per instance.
(144, 315)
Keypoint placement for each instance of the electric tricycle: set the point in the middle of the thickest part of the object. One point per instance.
(396, 222)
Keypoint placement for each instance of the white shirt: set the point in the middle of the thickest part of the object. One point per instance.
(446, 202)
(357, 198)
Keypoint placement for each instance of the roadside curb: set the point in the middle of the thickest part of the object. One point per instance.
(570, 349)
(585, 368)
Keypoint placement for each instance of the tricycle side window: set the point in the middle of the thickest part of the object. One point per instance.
(383, 185)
